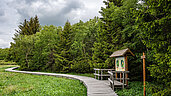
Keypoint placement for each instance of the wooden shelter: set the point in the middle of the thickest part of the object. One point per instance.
(121, 62)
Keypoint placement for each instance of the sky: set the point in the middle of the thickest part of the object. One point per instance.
(55, 12)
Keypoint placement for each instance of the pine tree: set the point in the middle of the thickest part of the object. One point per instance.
(108, 36)
(28, 27)
(25, 32)
(65, 43)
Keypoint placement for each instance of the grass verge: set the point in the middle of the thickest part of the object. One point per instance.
(3, 62)
(18, 84)
(83, 74)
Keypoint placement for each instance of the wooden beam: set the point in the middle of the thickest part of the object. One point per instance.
(126, 68)
(120, 77)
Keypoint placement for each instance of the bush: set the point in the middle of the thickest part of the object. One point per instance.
(158, 89)
(81, 66)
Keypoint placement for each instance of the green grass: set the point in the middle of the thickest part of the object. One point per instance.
(18, 84)
(3, 62)
(135, 89)
(83, 74)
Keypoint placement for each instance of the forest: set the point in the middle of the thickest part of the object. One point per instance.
(80, 47)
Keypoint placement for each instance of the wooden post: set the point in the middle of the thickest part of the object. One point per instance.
(98, 74)
(101, 74)
(95, 74)
(126, 68)
(113, 86)
(143, 57)
(116, 75)
(123, 81)
(120, 77)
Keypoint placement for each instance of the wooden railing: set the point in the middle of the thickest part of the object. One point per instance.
(100, 73)
(113, 78)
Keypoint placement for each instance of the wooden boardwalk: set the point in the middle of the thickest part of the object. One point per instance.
(94, 87)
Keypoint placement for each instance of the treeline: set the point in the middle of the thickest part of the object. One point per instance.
(55, 49)
(142, 27)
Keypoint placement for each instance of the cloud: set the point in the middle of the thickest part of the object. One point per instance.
(4, 43)
(49, 11)
(8, 22)
(90, 9)
(55, 12)
(1, 12)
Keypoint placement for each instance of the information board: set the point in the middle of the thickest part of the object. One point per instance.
(120, 64)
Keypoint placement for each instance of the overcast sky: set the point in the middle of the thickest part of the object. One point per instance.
(55, 12)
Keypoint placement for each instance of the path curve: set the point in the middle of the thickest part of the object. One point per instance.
(94, 87)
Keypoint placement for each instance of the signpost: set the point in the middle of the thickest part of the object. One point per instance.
(143, 57)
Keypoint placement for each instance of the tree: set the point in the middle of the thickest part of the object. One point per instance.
(28, 27)
(20, 50)
(117, 3)
(154, 21)
(24, 46)
(81, 49)
(118, 31)
(45, 46)
(64, 44)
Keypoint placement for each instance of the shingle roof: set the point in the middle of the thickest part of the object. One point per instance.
(122, 53)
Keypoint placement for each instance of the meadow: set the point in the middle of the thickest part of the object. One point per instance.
(18, 84)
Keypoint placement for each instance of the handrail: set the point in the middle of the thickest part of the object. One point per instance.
(101, 73)
(122, 78)
(120, 71)
(110, 72)
(103, 69)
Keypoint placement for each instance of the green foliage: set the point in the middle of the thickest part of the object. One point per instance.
(21, 51)
(17, 84)
(24, 50)
(142, 28)
(28, 27)
(154, 21)
(157, 89)
(81, 66)
(63, 53)
(43, 58)
(81, 49)
(118, 31)
(3, 53)
(135, 89)
(57, 49)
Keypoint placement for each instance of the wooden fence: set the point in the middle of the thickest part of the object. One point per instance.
(100, 73)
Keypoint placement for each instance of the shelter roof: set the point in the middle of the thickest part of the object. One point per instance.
(122, 53)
